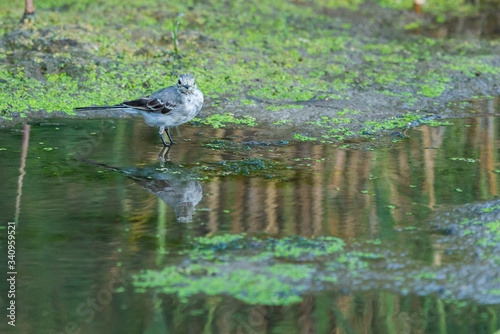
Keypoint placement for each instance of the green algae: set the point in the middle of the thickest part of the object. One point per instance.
(328, 122)
(389, 124)
(402, 122)
(279, 271)
(246, 285)
(432, 90)
(488, 210)
(276, 283)
(301, 137)
(302, 248)
(485, 232)
(288, 106)
(425, 275)
(221, 120)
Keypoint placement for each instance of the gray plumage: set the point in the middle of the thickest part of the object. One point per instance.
(168, 107)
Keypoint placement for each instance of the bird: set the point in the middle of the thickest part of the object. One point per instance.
(168, 107)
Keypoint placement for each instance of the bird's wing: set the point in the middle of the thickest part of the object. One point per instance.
(154, 105)
(162, 101)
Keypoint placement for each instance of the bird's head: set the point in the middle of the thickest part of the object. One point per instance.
(186, 83)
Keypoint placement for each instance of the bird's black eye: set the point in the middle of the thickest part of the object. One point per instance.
(179, 82)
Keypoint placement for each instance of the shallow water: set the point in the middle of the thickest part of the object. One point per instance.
(92, 210)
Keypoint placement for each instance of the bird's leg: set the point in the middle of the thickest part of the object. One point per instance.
(162, 129)
(170, 138)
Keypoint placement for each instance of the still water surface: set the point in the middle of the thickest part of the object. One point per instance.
(91, 212)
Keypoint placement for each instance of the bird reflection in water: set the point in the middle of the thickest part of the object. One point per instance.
(178, 189)
(173, 184)
(163, 156)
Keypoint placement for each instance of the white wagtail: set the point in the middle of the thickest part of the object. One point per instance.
(168, 107)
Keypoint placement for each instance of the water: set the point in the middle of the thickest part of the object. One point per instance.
(89, 217)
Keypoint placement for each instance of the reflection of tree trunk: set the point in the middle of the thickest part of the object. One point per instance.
(334, 182)
(214, 201)
(489, 155)
(289, 217)
(366, 169)
(343, 311)
(367, 323)
(304, 207)
(353, 181)
(139, 218)
(437, 254)
(271, 206)
(399, 177)
(238, 210)
(24, 153)
(254, 206)
(317, 194)
(417, 6)
(441, 315)
(395, 181)
(306, 309)
(432, 138)
(161, 231)
(214, 204)
(29, 11)
(429, 156)
(303, 194)
(29, 7)
(460, 26)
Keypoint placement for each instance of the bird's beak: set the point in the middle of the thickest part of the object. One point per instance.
(187, 86)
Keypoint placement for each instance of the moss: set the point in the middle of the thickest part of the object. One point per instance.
(425, 275)
(432, 90)
(275, 283)
(390, 124)
(289, 106)
(299, 247)
(488, 210)
(247, 102)
(222, 120)
(298, 136)
(246, 285)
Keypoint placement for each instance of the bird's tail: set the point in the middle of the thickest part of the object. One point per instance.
(126, 109)
(101, 107)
